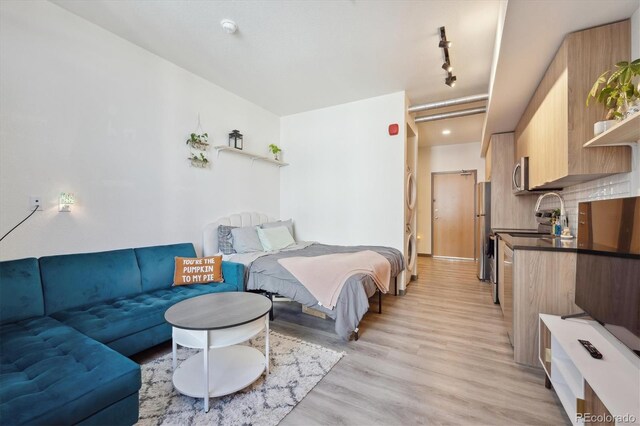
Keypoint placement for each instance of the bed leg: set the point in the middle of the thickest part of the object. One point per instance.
(379, 301)
(395, 291)
(356, 334)
(270, 296)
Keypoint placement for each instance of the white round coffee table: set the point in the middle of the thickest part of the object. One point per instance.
(219, 321)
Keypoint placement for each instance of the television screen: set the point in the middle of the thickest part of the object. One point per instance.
(608, 266)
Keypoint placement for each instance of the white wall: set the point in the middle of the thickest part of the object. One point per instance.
(345, 184)
(83, 111)
(442, 158)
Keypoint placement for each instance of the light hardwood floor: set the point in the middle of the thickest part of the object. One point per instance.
(438, 355)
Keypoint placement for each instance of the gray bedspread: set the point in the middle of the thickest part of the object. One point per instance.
(265, 273)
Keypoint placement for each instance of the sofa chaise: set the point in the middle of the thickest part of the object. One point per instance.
(68, 323)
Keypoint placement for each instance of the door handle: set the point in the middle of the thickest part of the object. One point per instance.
(513, 176)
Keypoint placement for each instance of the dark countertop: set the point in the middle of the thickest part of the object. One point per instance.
(547, 243)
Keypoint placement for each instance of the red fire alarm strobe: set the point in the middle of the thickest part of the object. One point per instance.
(393, 129)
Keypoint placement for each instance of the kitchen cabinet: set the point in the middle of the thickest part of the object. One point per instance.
(533, 282)
(556, 122)
(501, 248)
(508, 291)
(487, 164)
(508, 211)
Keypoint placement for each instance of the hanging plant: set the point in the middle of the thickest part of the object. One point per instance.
(199, 142)
(199, 161)
(618, 90)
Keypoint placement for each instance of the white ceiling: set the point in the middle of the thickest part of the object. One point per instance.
(533, 32)
(294, 56)
(463, 129)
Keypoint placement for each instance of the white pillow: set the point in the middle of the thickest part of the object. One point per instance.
(275, 238)
(246, 240)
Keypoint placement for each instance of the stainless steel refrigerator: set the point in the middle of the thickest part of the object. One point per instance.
(483, 223)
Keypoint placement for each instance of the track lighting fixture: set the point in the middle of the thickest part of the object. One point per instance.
(450, 80)
(445, 44)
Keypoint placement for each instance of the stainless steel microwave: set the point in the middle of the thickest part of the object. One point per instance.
(520, 176)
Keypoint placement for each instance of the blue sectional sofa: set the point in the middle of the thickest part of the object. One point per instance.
(68, 322)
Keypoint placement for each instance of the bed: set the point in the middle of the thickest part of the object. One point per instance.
(264, 273)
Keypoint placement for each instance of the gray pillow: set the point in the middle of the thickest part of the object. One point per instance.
(286, 223)
(246, 240)
(225, 240)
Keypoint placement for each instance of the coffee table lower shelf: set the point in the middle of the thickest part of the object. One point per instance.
(231, 368)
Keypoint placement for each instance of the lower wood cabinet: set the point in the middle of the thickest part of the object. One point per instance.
(531, 282)
(543, 282)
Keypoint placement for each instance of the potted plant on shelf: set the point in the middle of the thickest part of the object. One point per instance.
(200, 142)
(275, 150)
(618, 91)
(199, 161)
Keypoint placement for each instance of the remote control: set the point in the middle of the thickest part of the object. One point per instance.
(592, 349)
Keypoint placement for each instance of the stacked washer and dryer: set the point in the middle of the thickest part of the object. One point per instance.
(411, 247)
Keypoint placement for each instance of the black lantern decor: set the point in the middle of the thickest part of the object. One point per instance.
(235, 139)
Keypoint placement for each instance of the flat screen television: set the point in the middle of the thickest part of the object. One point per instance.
(608, 266)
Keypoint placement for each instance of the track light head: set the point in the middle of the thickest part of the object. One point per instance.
(444, 44)
(450, 80)
(447, 67)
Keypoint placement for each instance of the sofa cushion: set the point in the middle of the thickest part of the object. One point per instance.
(52, 374)
(20, 290)
(157, 264)
(76, 280)
(107, 322)
(198, 270)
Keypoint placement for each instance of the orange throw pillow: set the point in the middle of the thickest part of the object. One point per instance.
(201, 270)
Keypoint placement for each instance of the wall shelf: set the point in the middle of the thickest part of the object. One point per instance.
(622, 133)
(253, 157)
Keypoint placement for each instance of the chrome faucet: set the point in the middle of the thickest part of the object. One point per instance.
(562, 211)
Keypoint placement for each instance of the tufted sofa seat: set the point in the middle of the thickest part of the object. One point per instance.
(109, 322)
(67, 321)
(53, 374)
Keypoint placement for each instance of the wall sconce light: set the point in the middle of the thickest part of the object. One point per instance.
(65, 201)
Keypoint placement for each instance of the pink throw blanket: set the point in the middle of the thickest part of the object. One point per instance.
(324, 276)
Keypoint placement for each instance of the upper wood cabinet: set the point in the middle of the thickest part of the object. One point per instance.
(487, 164)
(557, 123)
(508, 211)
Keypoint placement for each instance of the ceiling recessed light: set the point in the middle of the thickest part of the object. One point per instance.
(229, 26)
(446, 132)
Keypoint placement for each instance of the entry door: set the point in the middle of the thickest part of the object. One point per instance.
(453, 215)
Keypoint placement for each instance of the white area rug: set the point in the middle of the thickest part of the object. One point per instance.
(296, 367)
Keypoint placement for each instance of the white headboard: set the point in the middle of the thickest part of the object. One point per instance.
(210, 233)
